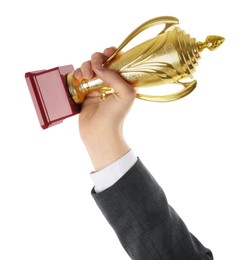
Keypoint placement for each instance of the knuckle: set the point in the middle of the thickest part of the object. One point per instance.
(96, 55)
(85, 64)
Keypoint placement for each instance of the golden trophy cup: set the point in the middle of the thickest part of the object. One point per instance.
(169, 58)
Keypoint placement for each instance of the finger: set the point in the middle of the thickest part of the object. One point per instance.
(94, 94)
(97, 60)
(109, 51)
(86, 69)
(78, 74)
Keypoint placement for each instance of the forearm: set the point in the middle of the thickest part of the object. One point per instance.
(106, 148)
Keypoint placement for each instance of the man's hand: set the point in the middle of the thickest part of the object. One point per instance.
(101, 121)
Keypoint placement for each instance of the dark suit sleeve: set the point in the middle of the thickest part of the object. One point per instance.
(146, 225)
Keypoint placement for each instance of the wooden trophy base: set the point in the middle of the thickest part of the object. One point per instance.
(50, 95)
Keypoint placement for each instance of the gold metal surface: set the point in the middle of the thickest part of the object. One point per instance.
(169, 57)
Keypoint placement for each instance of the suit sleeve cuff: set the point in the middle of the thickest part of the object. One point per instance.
(106, 177)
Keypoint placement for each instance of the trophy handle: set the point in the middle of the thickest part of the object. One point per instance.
(188, 88)
(167, 20)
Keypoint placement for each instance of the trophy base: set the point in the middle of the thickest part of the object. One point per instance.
(50, 95)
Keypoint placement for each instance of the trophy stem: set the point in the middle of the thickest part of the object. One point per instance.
(79, 89)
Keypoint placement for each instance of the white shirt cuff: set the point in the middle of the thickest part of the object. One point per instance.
(106, 177)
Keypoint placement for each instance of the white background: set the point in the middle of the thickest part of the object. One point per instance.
(197, 147)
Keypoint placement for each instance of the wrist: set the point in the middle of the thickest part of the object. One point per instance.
(106, 148)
